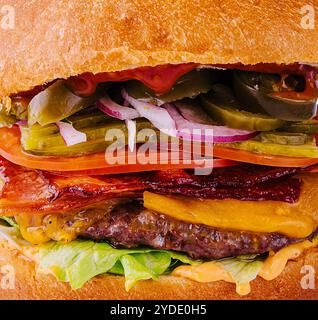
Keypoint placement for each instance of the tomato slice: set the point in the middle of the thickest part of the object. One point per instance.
(10, 148)
(94, 164)
(217, 163)
(261, 159)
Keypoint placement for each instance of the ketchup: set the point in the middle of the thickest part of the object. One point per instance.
(161, 78)
(26, 96)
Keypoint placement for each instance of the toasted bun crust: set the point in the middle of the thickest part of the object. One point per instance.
(29, 285)
(56, 39)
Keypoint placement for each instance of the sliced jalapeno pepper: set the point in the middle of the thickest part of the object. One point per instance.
(258, 92)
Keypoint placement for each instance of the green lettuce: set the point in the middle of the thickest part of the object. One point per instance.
(79, 261)
(243, 269)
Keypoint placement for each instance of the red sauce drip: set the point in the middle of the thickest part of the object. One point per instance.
(26, 96)
(160, 79)
(33, 92)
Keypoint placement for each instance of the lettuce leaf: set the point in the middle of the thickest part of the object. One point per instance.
(144, 266)
(243, 269)
(79, 261)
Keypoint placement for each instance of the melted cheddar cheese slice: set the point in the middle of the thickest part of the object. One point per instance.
(296, 220)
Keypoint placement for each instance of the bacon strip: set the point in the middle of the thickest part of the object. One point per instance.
(27, 190)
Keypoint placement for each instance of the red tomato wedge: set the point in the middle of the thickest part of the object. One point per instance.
(10, 148)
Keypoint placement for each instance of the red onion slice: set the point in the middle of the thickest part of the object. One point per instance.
(22, 123)
(132, 131)
(70, 135)
(111, 108)
(158, 116)
(189, 130)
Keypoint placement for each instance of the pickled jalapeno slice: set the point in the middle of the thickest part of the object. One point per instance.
(308, 150)
(308, 127)
(258, 92)
(223, 107)
(284, 138)
(56, 103)
(47, 140)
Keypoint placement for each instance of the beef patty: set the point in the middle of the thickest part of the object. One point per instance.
(130, 225)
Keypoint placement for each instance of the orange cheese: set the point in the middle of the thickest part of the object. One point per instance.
(297, 220)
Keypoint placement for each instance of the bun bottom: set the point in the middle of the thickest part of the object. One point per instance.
(31, 286)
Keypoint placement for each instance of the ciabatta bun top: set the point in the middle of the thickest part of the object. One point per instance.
(56, 39)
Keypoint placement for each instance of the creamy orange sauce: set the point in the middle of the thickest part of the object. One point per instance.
(272, 267)
(275, 264)
(210, 272)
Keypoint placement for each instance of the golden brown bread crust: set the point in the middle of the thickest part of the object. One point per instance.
(56, 39)
(28, 285)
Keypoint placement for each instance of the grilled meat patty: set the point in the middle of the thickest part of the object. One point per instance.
(130, 225)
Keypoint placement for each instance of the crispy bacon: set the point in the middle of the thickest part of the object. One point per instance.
(284, 190)
(27, 190)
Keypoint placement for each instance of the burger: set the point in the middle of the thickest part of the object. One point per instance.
(158, 150)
